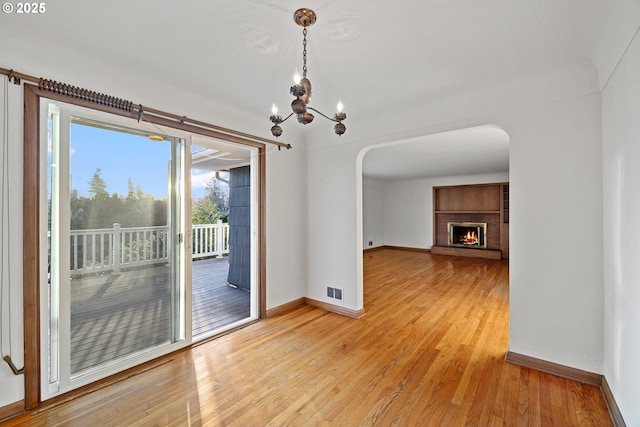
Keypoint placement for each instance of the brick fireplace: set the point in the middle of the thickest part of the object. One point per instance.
(492, 232)
(481, 212)
(467, 234)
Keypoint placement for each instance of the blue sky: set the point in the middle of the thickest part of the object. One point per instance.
(121, 156)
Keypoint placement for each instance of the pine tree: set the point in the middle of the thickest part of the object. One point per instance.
(97, 186)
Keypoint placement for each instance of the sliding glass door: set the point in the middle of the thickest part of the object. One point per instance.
(148, 242)
(114, 245)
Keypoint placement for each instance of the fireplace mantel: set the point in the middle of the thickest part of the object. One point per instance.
(480, 203)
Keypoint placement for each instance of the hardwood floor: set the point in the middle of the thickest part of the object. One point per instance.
(429, 351)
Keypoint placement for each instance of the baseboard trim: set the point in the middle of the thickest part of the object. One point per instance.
(554, 369)
(285, 307)
(355, 314)
(11, 410)
(406, 248)
(612, 406)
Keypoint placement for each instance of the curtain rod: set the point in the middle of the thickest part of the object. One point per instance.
(111, 101)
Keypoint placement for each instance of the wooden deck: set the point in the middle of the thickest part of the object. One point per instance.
(214, 303)
(115, 315)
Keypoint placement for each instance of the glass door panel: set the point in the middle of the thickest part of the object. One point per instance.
(219, 300)
(122, 244)
(114, 218)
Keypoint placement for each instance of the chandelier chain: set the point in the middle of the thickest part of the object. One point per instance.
(304, 52)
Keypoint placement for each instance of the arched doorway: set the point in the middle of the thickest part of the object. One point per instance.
(395, 183)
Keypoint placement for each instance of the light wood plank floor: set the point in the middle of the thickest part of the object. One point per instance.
(429, 352)
(115, 315)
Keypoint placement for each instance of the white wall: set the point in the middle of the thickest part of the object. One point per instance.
(286, 226)
(556, 233)
(11, 386)
(408, 214)
(555, 190)
(621, 170)
(372, 213)
(332, 224)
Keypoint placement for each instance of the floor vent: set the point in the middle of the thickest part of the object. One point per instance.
(334, 293)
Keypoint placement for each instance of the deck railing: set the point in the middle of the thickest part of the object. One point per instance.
(210, 240)
(111, 249)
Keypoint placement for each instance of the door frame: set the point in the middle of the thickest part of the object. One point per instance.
(31, 220)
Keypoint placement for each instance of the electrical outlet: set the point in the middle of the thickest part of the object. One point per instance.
(370, 242)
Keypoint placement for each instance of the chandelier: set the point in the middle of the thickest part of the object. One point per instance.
(301, 88)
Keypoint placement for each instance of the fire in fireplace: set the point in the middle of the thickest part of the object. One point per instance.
(467, 234)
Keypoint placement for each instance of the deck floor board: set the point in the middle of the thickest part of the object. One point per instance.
(115, 315)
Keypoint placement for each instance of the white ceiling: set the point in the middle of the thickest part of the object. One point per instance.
(382, 59)
(480, 150)
(214, 155)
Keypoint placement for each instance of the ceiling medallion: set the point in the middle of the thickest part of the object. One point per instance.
(301, 88)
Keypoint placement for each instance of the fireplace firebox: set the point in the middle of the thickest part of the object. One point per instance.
(467, 234)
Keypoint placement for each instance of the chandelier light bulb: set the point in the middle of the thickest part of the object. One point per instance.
(296, 77)
(274, 110)
(340, 106)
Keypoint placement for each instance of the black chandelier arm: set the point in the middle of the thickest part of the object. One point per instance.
(286, 118)
(323, 115)
(276, 120)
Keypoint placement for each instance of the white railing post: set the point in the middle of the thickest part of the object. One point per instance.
(219, 238)
(195, 245)
(225, 249)
(116, 248)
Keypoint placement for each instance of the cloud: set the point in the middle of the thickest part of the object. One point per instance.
(200, 178)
